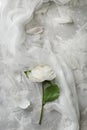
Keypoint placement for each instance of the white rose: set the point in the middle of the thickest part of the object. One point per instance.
(41, 73)
(20, 99)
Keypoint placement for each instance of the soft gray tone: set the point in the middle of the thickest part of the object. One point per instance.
(35, 32)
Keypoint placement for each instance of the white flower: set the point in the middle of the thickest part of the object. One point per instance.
(41, 73)
(20, 99)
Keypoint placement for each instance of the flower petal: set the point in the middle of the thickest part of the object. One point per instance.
(35, 30)
(41, 73)
(24, 104)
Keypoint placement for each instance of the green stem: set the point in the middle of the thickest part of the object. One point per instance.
(49, 82)
(42, 109)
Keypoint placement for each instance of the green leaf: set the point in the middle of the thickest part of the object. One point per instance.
(27, 73)
(51, 93)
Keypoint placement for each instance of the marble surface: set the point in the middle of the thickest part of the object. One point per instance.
(43, 32)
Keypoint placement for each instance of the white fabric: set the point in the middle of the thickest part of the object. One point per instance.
(62, 44)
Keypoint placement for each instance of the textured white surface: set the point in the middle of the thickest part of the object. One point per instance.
(62, 44)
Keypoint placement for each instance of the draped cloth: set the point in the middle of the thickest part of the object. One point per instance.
(20, 51)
